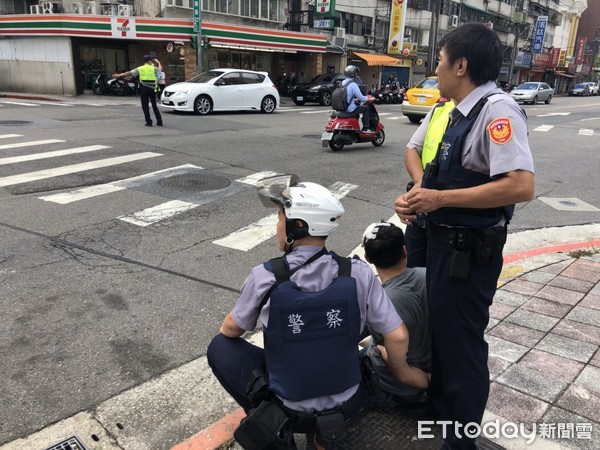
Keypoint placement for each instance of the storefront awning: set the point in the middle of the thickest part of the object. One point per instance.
(377, 59)
(566, 75)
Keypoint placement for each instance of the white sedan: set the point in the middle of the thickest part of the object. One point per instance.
(223, 90)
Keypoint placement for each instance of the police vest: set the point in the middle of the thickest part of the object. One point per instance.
(450, 174)
(311, 337)
(147, 73)
(437, 126)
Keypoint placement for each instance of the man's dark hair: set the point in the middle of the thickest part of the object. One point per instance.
(387, 249)
(481, 47)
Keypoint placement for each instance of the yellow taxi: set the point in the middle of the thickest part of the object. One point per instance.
(419, 100)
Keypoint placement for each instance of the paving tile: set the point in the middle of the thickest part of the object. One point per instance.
(523, 287)
(515, 406)
(581, 401)
(555, 416)
(510, 298)
(538, 276)
(547, 307)
(591, 301)
(532, 320)
(501, 310)
(586, 265)
(506, 350)
(589, 378)
(596, 359)
(560, 295)
(572, 284)
(567, 347)
(578, 330)
(532, 382)
(585, 315)
(596, 289)
(491, 324)
(557, 267)
(518, 334)
(582, 274)
(561, 368)
(496, 366)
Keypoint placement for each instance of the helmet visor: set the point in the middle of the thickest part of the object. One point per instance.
(274, 191)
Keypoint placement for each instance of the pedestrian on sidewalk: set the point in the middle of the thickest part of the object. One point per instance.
(467, 195)
(313, 306)
(161, 79)
(148, 75)
(384, 248)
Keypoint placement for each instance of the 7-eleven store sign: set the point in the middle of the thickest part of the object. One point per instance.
(325, 8)
(122, 27)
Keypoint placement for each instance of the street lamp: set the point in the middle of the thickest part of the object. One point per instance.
(344, 59)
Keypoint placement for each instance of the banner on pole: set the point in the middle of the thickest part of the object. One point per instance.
(397, 19)
(540, 31)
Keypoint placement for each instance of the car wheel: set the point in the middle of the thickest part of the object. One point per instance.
(202, 105)
(325, 99)
(268, 104)
(414, 119)
(299, 102)
(534, 101)
(379, 139)
(548, 100)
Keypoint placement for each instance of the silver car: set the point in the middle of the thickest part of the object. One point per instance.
(532, 92)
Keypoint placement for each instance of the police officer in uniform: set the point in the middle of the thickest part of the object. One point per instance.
(148, 75)
(482, 168)
(420, 150)
(312, 317)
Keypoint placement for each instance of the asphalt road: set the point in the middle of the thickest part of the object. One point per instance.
(93, 305)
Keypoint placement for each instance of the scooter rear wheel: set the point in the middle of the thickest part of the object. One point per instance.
(335, 146)
(379, 139)
(98, 90)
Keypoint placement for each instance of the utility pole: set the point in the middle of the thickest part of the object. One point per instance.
(433, 37)
(518, 18)
(198, 30)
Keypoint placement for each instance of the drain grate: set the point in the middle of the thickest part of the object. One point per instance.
(195, 182)
(71, 443)
(14, 122)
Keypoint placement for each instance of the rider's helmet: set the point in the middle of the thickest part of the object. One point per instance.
(309, 202)
(351, 71)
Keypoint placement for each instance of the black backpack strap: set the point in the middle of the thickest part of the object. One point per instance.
(345, 269)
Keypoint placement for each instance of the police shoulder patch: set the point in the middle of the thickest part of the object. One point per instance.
(500, 130)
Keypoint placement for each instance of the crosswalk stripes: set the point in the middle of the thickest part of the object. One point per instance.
(30, 143)
(158, 213)
(6, 136)
(586, 132)
(544, 128)
(54, 154)
(251, 235)
(18, 103)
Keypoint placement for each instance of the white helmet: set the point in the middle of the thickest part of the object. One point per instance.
(306, 201)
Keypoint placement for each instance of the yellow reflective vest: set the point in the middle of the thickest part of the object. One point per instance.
(147, 73)
(436, 129)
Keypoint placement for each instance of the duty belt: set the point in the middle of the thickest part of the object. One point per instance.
(458, 238)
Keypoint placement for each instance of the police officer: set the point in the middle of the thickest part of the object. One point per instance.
(482, 168)
(148, 75)
(421, 150)
(313, 317)
(356, 100)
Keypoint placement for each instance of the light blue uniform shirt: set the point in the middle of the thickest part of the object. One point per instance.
(352, 93)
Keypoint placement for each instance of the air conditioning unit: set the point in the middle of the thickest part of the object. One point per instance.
(339, 32)
(407, 33)
(91, 8)
(369, 39)
(35, 9)
(453, 22)
(339, 41)
(78, 8)
(49, 7)
(125, 10)
(109, 9)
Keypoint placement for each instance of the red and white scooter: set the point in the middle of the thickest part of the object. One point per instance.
(345, 129)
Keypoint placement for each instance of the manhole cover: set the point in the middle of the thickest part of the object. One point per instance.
(14, 122)
(195, 182)
(72, 443)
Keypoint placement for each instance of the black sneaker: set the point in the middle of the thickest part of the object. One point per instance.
(148, 124)
(159, 124)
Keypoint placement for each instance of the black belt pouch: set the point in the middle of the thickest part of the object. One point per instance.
(261, 427)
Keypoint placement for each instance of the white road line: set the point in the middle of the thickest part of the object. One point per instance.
(554, 114)
(157, 213)
(544, 128)
(316, 112)
(586, 132)
(589, 118)
(250, 236)
(18, 103)
(35, 156)
(74, 168)
(101, 189)
(5, 136)
(396, 118)
(386, 114)
(30, 143)
(252, 179)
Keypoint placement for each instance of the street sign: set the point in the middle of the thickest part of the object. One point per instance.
(323, 23)
(196, 16)
(540, 30)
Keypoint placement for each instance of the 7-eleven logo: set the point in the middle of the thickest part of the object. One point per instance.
(123, 26)
(323, 6)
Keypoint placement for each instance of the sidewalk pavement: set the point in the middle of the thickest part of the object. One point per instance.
(544, 338)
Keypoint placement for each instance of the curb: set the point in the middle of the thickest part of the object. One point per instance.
(31, 97)
(220, 434)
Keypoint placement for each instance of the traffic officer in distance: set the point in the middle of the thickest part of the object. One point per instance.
(313, 306)
(467, 195)
(148, 75)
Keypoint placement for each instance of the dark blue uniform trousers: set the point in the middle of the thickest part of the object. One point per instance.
(147, 94)
(415, 239)
(459, 314)
(232, 360)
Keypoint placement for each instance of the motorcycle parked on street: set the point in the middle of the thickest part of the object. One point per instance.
(345, 129)
(117, 86)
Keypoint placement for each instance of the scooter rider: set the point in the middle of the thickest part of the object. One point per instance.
(356, 100)
(313, 305)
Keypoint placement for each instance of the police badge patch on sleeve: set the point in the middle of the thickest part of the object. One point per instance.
(500, 130)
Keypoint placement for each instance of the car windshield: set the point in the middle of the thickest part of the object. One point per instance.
(528, 86)
(205, 77)
(579, 86)
(428, 83)
(323, 78)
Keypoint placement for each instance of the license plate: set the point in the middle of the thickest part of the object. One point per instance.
(326, 136)
(300, 98)
(422, 100)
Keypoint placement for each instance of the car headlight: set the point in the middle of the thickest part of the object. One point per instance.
(315, 88)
